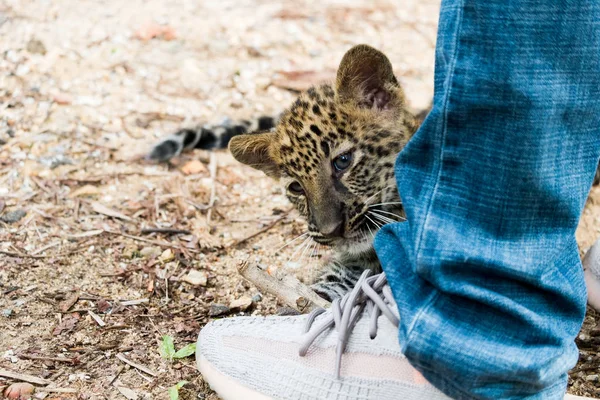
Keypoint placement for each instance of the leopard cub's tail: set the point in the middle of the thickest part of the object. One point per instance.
(207, 137)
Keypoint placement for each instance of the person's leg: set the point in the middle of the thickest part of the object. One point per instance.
(486, 272)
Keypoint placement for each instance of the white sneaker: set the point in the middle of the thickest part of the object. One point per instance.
(347, 352)
(591, 267)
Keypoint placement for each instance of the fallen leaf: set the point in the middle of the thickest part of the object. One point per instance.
(67, 324)
(102, 209)
(103, 306)
(193, 167)
(68, 302)
(128, 393)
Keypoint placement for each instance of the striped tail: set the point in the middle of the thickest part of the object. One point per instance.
(207, 137)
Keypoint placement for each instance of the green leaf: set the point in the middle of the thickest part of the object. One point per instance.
(174, 390)
(185, 351)
(167, 348)
(173, 393)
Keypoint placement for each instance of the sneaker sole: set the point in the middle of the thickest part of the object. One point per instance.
(229, 389)
(225, 386)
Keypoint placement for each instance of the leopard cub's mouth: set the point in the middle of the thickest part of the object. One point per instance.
(361, 235)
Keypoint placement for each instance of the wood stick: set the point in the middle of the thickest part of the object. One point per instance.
(141, 367)
(141, 239)
(262, 230)
(170, 231)
(42, 358)
(24, 377)
(287, 288)
(96, 318)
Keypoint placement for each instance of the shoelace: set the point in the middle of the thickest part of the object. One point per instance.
(371, 292)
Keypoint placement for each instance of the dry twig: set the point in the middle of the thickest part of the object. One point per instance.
(264, 229)
(96, 318)
(24, 377)
(170, 231)
(141, 239)
(54, 359)
(141, 367)
(287, 288)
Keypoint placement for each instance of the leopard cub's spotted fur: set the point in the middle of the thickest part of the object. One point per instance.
(333, 151)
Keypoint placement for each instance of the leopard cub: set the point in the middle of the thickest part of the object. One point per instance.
(333, 150)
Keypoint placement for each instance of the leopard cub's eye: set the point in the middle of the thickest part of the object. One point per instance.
(342, 162)
(295, 188)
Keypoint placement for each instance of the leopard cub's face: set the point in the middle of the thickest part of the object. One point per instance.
(334, 150)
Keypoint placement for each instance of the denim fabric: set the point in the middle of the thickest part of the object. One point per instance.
(486, 271)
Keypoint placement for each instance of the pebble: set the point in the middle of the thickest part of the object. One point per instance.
(592, 378)
(12, 216)
(167, 256)
(7, 312)
(256, 298)
(150, 252)
(196, 278)
(287, 311)
(216, 310)
(36, 46)
(241, 304)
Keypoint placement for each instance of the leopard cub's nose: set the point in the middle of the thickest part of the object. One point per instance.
(333, 231)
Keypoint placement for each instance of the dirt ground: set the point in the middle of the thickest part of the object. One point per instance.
(85, 88)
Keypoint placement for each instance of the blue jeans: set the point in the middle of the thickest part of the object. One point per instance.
(486, 270)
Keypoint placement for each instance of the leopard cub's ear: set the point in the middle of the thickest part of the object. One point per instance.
(366, 77)
(256, 151)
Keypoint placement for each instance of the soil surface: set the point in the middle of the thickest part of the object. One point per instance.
(102, 253)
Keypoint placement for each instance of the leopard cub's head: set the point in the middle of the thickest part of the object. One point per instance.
(334, 150)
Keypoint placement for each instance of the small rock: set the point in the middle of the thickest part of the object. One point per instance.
(241, 304)
(7, 312)
(167, 256)
(12, 216)
(256, 298)
(287, 311)
(196, 278)
(153, 30)
(216, 310)
(62, 98)
(592, 378)
(19, 390)
(35, 46)
(150, 252)
(56, 161)
(193, 167)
